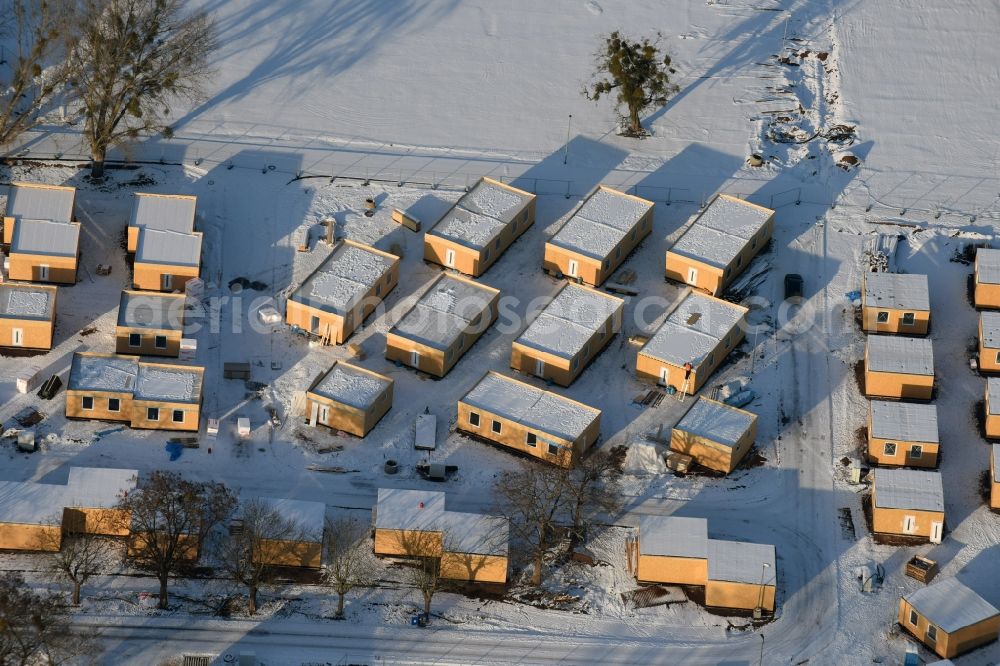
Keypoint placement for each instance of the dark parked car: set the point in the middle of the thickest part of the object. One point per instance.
(793, 286)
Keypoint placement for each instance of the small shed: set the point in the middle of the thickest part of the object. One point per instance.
(306, 550)
(348, 397)
(166, 260)
(44, 251)
(161, 212)
(995, 476)
(986, 278)
(903, 434)
(672, 550)
(908, 502)
(527, 419)
(949, 617)
(342, 291)
(150, 323)
(572, 329)
(989, 341)
(598, 236)
(27, 315)
(716, 435)
(693, 340)
(899, 367)
(473, 234)
(895, 303)
(741, 575)
(992, 407)
(443, 324)
(720, 243)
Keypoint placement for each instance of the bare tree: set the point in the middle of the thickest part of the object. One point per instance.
(171, 517)
(638, 72)
(350, 563)
(77, 556)
(263, 541)
(424, 572)
(592, 486)
(135, 58)
(35, 73)
(534, 499)
(34, 628)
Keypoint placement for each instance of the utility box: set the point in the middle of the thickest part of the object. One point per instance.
(188, 349)
(28, 378)
(243, 427)
(26, 441)
(212, 429)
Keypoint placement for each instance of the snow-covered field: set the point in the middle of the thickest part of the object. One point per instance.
(446, 91)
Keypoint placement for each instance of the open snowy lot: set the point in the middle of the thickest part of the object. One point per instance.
(435, 94)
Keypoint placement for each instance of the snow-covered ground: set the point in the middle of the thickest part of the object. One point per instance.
(443, 92)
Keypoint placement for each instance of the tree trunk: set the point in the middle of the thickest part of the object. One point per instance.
(163, 593)
(252, 609)
(536, 575)
(427, 602)
(76, 593)
(97, 164)
(634, 125)
(340, 604)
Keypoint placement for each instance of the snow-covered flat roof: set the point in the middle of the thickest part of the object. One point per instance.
(531, 407)
(990, 323)
(569, 320)
(693, 329)
(344, 277)
(53, 239)
(898, 291)
(33, 503)
(673, 536)
(445, 311)
(173, 248)
(478, 217)
(164, 212)
(27, 301)
(350, 385)
(908, 489)
(739, 562)
(398, 509)
(37, 201)
(475, 533)
(168, 383)
(600, 223)
(716, 421)
(151, 310)
(722, 230)
(907, 421)
(993, 392)
(96, 372)
(950, 604)
(310, 517)
(901, 355)
(98, 487)
(988, 265)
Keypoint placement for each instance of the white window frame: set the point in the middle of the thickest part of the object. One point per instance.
(17, 337)
(173, 416)
(909, 524)
(931, 633)
(496, 427)
(886, 449)
(152, 413)
(43, 271)
(474, 419)
(917, 451)
(692, 276)
(882, 317)
(531, 439)
(136, 336)
(83, 402)
(553, 449)
(156, 342)
(909, 319)
(914, 618)
(449, 257)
